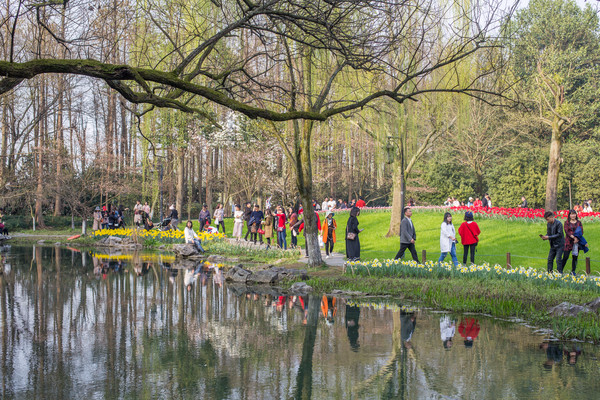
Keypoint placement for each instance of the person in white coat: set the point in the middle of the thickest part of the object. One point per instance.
(448, 239)
(447, 331)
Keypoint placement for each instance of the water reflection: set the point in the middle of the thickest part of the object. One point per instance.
(78, 324)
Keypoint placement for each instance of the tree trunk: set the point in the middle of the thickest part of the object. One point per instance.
(553, 167)
(59, 146)
(304, 377)
(209, 177)
(304, 182)
(180, 179)
(397, 201)
(39, 193)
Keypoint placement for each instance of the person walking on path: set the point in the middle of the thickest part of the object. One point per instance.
(408, 236)
(219, 217)
(352, 232)
(204, 217)
(554, 234)
(146, 208)
(238, 222)
(255, 223)
(328, 229)
(174, 215)
(572, 245)
(469, 236)
(294, 227)
(247, 214)
(448, 239)
(97, 219)
(280, 220)
(268, 227)
(192, 237)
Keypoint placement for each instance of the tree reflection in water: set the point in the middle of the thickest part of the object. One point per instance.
(75, 325)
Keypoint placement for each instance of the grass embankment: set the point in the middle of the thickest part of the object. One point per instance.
(498, 236)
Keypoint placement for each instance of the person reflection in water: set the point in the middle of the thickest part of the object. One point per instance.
(554, 353)
(352, 316)
(328, 308)
(408, 321)
(469, 329)
(191, 275)
(447, 331)
(572, 355)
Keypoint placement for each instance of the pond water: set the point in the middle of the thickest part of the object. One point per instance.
(88, 325)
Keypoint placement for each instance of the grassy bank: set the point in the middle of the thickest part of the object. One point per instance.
(498, 236)
(502, 299)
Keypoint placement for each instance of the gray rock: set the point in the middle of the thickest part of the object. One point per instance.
(285, 273)
(237, 274)
(215, 259)
(41, 241)
(594, 304)
(185, 250)
(301, 287)
(115, 239)
(338, 292)
(269, 276)
(566, 309)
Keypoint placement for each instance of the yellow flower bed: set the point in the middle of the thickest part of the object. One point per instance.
(435, 269)
(163, 236)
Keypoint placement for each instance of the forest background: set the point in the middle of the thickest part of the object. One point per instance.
(71, 142)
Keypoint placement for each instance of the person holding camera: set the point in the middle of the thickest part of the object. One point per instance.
(448, 239)
(554, 235)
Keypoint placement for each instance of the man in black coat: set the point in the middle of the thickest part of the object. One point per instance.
(555, 235)
(407, 236)
(247, 214)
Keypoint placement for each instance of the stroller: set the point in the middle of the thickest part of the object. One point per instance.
(165, 225)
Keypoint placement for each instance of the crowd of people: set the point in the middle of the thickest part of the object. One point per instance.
(272, 224)
(485, 201)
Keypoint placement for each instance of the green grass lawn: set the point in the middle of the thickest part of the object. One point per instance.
(497, 237)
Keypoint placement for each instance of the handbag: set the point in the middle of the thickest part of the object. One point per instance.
(261, 232)
(280, 228)
(351, 236)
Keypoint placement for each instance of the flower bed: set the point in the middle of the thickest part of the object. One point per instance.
(527, 214)
(437, 270)
(161, 236)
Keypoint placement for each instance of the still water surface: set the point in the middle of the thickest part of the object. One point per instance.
(84, 325)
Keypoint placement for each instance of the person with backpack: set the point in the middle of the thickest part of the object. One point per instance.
(328, 229)
(469, 236)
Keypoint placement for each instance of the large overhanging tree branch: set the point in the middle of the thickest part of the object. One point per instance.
(292, 60)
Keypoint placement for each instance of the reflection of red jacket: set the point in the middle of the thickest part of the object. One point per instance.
(469, 328)
(360, 203)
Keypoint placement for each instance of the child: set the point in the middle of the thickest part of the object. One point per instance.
(328, 229)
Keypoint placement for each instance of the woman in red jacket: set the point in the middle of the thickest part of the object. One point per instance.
(469, 236)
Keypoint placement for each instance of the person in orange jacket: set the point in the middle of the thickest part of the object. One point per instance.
(328, 308)
(328, 231)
